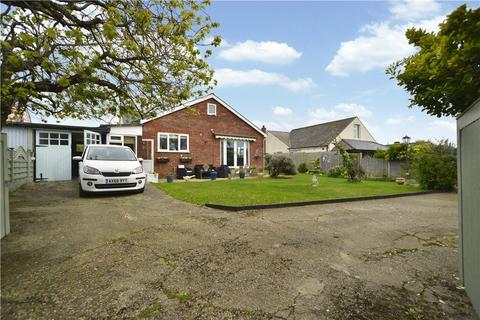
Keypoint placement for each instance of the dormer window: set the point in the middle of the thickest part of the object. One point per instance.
(211, 109)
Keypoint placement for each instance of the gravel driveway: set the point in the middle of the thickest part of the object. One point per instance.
(150, 256)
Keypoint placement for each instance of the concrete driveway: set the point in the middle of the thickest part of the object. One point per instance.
(150, 256)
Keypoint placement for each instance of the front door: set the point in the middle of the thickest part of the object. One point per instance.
(147, 155)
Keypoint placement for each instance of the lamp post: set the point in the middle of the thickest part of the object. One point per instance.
(406, 140)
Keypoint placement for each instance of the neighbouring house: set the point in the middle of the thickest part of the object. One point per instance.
(350, 133)
(206, 131)
(468, 152)
(277, 141)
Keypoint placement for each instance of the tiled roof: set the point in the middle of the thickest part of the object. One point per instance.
(318, 135)
(363, 145)
(282, 136)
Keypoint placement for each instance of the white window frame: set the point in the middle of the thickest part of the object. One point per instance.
(356, 131)
(246, 154)
(114, 141)
(208, 109)
(93, 138)
(168, 142)
(49, 138)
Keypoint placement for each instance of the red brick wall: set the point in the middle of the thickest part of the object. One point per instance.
(203, 147)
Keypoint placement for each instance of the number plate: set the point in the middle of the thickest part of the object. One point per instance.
(117, 180)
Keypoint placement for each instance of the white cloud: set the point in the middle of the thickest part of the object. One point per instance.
(414, 9)
(382, 43)
(441, 125)
(264, 51)
(342, 110)
(281, 111)
(233, 78)
(399, 120)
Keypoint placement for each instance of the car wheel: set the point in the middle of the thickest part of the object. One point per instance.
(81, 192)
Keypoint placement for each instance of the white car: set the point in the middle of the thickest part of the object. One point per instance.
(105, 168)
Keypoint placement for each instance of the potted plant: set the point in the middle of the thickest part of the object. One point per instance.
(152, 177)
(162, 159)
(241, 172)
(184, 159)
(253, 171)
(170, 176)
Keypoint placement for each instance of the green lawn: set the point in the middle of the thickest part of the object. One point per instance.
(239, 192)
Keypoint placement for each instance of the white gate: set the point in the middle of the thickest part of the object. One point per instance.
(147, 155)
(53, 156)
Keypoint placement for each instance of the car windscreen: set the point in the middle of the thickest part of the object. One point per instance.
(110, 154)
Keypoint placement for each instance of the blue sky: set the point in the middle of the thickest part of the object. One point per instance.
(291, 64)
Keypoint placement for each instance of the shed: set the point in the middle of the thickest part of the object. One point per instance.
(468, 140)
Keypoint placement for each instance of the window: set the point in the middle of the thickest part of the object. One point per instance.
(92, 138)
(53, 138)
(211, 109)
(235, 153)
(356, 131)
(115, 140)
(106, 153)
(173, 142)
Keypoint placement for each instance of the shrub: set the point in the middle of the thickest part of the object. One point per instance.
(353, 172)
(436, 168)
(302, 167)
(336, 172)
(280, 164)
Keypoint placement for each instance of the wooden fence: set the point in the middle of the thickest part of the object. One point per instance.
(19, 167)
(16, 169)
(372, 167)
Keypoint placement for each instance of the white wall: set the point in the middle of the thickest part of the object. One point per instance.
(126, 130)
(19, 137)
(348, 132)
(273, 144)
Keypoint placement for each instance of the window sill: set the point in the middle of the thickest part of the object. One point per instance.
(170, 151)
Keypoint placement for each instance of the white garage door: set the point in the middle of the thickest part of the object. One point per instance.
(53, 156)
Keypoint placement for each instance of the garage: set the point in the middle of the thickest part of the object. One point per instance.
(54, 146)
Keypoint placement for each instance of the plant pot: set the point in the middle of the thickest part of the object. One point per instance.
(400, 180)
(162, 159)
(185, 160)
(213, 176)
(241, 175)
(169, 179)
(152, 177)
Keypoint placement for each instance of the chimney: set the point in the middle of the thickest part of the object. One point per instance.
(264, 130)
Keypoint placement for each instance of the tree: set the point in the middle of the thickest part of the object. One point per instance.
(398, 151)
(93, 58)
(443, 76)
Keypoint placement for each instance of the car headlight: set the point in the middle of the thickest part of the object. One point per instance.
(91, 170)
(137, 170)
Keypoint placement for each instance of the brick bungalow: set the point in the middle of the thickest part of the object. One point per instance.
(208, 131)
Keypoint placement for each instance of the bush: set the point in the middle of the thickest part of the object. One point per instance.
(336, 172)
(302, 167)
(280, 164)
(436, 169)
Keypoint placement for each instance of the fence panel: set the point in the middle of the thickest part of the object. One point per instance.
(372, 167)
(19, 167)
